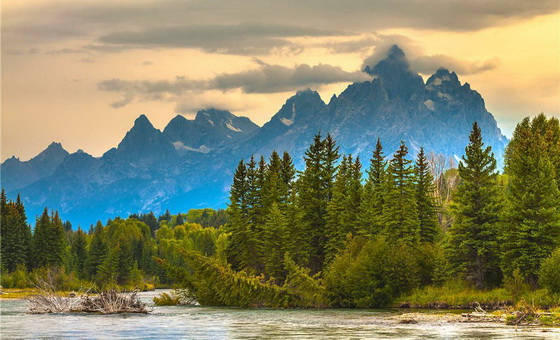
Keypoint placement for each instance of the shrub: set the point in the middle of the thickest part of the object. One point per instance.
(371, 273)
(549, 274)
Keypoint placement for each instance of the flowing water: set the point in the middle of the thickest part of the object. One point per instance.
(182, 322)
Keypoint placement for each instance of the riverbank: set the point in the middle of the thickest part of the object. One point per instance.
(468, 298)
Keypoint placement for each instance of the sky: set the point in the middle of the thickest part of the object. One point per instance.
(80, 72)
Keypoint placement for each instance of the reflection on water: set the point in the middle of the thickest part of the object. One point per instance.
(231, 323)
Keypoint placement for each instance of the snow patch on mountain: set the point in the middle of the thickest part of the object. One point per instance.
(233, 128)
(201, 149)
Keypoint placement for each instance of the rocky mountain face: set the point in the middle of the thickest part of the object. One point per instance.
(190, 163)
(16, 174)
(210, 130)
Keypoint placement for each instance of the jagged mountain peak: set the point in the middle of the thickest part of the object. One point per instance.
(394, 63)
(443, 76)
(214, 115)
(303, 104)
(394, 74)
(142, 123)
(55, 146)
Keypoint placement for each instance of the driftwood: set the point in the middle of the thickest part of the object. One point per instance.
(113, 302)
(108, 302)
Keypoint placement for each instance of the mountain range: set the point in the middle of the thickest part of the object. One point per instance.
(190, 163)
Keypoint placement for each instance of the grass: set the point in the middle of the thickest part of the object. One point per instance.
(461, 297)
(18, 293)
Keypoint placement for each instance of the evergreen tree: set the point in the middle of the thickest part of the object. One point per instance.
(473, 237)
(97, 252)
(335, 228)
(165, 217)
(179, 220)
(79, 252)
(274, 190)
(315, 191)
(108, 269)
(371, 210)
(343, 208)
(400, 211)
(150, 219)
(238, 217)
(252, 257)
(287, 174)
(15, 243)
(425, 199)
(532, 217)
(49, 241)
(275, 243)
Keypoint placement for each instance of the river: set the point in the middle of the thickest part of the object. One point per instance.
(183, 322)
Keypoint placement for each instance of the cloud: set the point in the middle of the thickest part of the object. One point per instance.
(255, 25)
(275, 78)
(234, 101)
(426, 64)
(264, 79)
(244, 39)
(429, 64)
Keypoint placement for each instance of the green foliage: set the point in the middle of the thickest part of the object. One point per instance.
(550, 272)
(515, 284)
(425, 199)
(49, 241)
(165, 299)
(15, 279)
(370, 273)
(400, 210)
(371, 205)
(343, 208)
(15, 235)
(531, 228)
(473, 238)
(315, 188)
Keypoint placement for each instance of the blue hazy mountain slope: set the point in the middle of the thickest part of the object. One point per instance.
(190, 164)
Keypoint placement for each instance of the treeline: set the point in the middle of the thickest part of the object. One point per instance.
(120, 252)
(366, 242)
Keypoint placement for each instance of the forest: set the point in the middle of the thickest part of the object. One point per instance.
(339, 233)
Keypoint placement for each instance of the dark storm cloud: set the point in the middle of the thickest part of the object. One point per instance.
(265, 79)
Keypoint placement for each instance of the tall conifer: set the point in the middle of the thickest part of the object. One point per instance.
(473, 237)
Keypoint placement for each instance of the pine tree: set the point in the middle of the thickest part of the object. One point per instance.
(275, 243)
(473, 237)
(252, 257)
(371, 210)
(15, 244)
(49, 241)
(238, 218)
(287, 174)
(15, 234)
(425, 200)
(335, 228)
(108, 270)
(179, 220)
(315, 191)
(97, 251)
(274, 189)
(165, 217)
(150, 219)
(79, 252)
(400, 211)
(532, 216)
